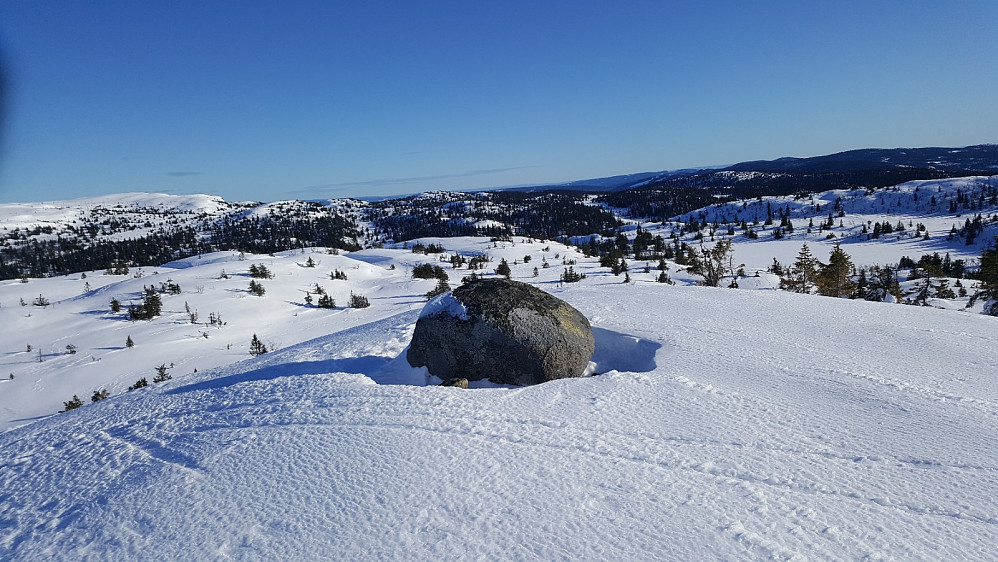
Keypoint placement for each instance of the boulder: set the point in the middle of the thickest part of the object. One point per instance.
(504, 331)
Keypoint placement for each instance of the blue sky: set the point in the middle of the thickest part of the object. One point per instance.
(276, 100)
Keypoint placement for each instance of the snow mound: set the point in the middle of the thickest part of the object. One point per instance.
(446, 304)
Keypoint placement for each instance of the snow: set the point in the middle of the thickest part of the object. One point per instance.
(892, 205)
(716, 423)
(21, 214)
(723, 424)
(445, 303)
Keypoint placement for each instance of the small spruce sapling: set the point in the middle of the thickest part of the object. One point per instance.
(139, 384)
(256, 288)
(358, 301)
(257, 347)
(162, 374)
(504, 269)
(571, 276)
(441, 288)
(72, 404)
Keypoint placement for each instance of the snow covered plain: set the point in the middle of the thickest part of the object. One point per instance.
(724, 424)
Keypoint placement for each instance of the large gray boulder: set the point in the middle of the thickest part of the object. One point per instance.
(505, 331)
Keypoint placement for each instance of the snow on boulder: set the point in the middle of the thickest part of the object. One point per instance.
(505, 331)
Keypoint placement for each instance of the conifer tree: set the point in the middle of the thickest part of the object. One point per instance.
(256, 288)
(441, 288)
(260, 272)
(129, 343)
(504, 269)
(861, 286)
(834, 278)
(358, 301)
(162, 374)
(571, 276)
(882, 282)
(988, 275)
(776, 268)
(800, 277)
(922, 294)
(72, 404)
(141, 383)
(154, 304)
(257, 347)
(712, 264)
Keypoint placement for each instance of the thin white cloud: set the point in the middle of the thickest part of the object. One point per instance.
(383, 182)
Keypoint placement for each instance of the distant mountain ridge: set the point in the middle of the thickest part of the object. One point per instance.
(976, 158)
(938, 162)
(56, 238)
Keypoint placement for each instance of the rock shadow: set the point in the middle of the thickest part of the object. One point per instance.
(623, 352)
(615, 351)
(353, 365)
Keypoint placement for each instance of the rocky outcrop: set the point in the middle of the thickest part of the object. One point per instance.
(505, 331)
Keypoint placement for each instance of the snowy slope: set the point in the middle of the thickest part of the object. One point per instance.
(910, 203)
(725, 424)
(26, 215)
(211, 285)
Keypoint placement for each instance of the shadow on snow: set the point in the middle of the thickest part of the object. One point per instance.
(615, 351)
(353, 365)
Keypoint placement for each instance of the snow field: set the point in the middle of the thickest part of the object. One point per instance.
(279, 318)
(724, 424)
(893, 205)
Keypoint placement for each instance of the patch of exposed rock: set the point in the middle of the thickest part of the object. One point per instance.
(504, 331)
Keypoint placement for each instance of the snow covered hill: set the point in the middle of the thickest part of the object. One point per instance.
(130, 210)
(928, 211)
(723, 424)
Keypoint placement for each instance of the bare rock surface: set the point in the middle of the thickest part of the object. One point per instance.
(504, 331)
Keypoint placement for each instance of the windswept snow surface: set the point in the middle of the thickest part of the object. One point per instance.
(725, 424)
